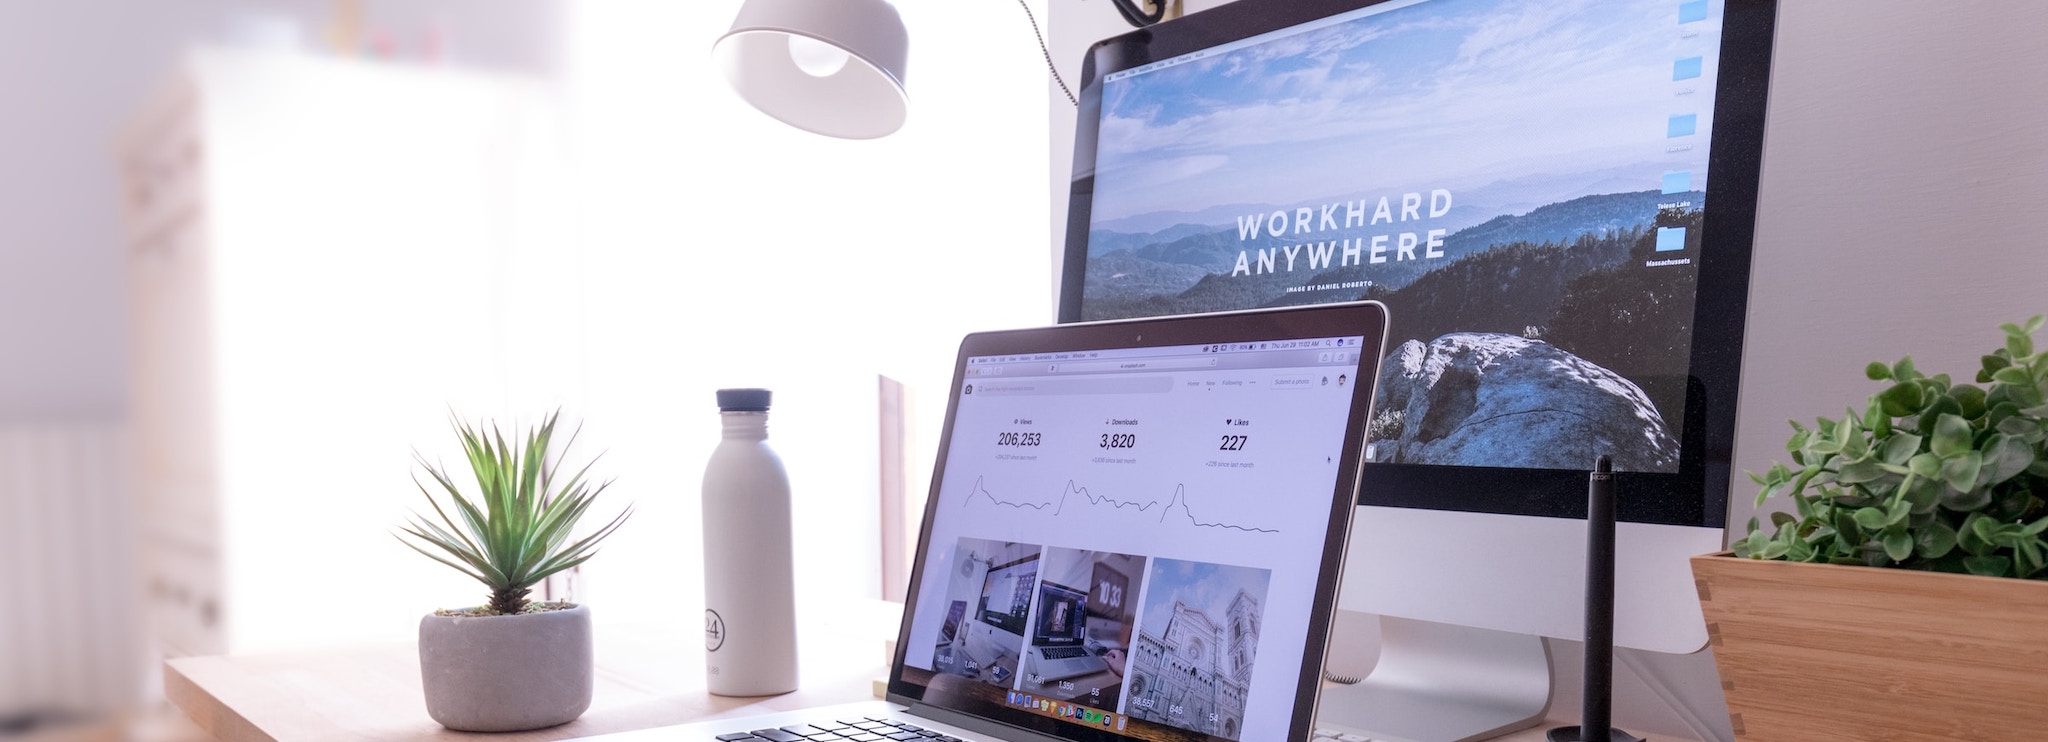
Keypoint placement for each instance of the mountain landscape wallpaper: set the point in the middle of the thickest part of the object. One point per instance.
(1522, 185)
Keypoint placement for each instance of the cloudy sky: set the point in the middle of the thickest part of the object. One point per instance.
(1433, 94)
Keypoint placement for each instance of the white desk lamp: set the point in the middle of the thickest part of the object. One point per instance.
(832, 67)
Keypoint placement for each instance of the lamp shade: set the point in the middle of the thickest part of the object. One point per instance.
(832, 67)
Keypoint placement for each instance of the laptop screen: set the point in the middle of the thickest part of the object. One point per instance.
(1059, 616)
(1144, 516)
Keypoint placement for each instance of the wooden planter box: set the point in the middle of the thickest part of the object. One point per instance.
(1817, 652)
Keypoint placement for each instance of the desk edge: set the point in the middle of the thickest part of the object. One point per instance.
(209, 713)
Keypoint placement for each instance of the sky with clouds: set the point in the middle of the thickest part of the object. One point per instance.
(1432, 94)
(1200, 585)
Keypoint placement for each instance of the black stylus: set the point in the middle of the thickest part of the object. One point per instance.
(1596, 711)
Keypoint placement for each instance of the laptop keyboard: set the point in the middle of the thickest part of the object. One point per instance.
(867, 729)
(1061, 653)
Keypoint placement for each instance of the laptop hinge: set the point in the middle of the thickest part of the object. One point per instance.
(995, 730)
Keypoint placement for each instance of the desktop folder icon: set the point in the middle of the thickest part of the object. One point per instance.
(1682, 125)
(1670, 239)
(1687, 68)
(1692, 10)
(1677, 181)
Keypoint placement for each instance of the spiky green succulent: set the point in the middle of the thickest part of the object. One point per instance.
(516, 531)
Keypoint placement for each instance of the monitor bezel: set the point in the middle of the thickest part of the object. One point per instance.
(1697, 493)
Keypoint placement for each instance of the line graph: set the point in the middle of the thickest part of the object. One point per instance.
(1167, 507)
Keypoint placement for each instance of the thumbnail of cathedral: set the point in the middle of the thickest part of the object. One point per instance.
(1193, 674)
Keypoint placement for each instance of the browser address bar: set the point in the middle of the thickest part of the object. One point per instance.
(1156, 364)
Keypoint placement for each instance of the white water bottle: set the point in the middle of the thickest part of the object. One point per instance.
(749, 591)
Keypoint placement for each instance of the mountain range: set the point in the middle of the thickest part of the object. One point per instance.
(1187, 268)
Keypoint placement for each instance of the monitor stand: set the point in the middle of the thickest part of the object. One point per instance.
(1439, 682)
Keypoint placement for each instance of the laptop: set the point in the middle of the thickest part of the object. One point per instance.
(1061, 646)
(1135, 531)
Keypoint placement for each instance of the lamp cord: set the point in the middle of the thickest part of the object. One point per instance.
(1138, 18)
(1049, 66)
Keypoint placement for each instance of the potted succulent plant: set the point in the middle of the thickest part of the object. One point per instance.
(511, 664)
(1940, 485)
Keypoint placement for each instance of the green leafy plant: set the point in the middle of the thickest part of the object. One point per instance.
(1931, 475)
(516, 532)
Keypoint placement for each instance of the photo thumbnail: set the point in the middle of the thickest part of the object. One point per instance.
(988, 607)
(1079, 646)
(1197, 645)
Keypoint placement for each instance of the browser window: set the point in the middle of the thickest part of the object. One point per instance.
(1125, 537)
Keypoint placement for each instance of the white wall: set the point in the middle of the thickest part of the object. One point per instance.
(1901, 160)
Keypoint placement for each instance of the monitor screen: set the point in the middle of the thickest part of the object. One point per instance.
(1006, 595)
(1554, 201)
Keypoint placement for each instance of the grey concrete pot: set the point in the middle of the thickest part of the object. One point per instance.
(506, 673)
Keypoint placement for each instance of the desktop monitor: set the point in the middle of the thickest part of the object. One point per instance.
(1555, 202)
(1006, 594)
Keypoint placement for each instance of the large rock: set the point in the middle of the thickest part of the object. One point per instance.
(1478, 399)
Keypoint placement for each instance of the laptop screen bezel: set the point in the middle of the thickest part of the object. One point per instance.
(1367, 319)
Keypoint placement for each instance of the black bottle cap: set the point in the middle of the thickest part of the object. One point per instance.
(743, 400)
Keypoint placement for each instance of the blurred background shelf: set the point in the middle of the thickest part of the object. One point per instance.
(323, 250)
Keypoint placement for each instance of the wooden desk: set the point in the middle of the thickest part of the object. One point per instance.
(647, 676)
